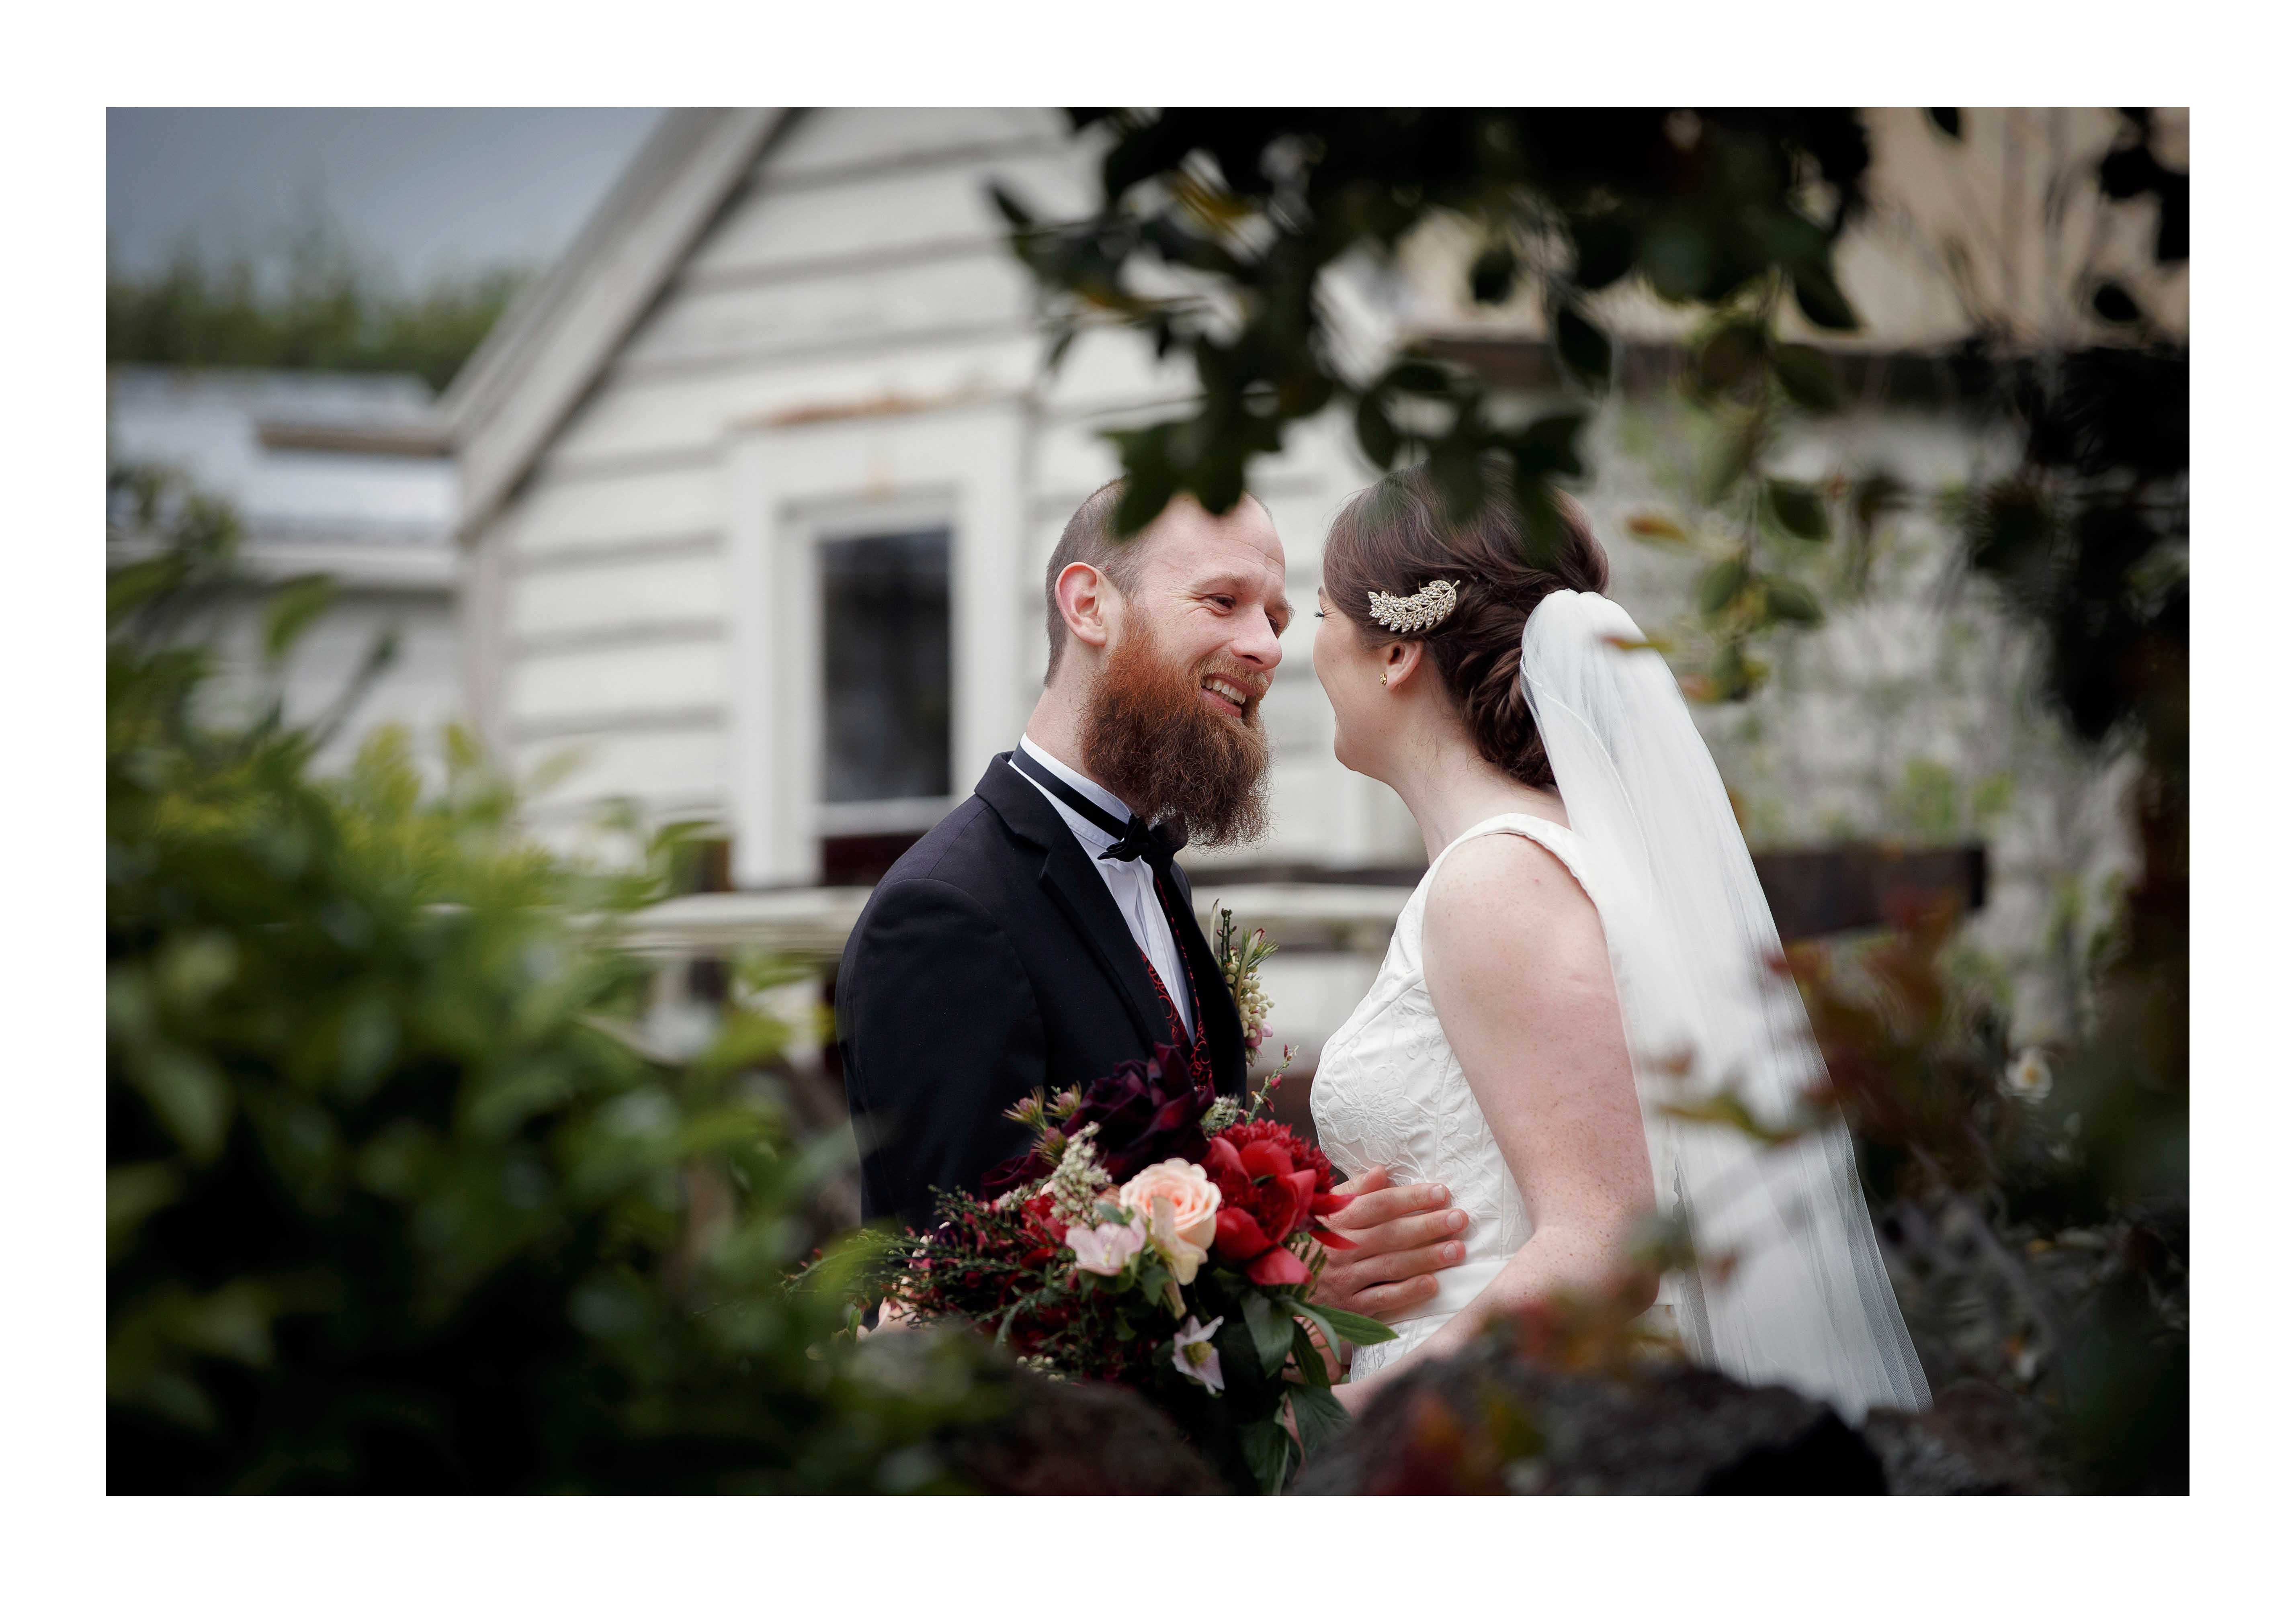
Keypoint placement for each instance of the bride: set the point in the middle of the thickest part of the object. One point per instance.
(1588, 946)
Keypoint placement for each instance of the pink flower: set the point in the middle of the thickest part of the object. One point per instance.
(1105, 1249)
(1182, 1208)
(1194, 1354)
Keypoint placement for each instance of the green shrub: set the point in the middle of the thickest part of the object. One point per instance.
(395, 1201)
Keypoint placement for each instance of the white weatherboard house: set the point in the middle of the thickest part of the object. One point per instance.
(759, 484)
(760, 488)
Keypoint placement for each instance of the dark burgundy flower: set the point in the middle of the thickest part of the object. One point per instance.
(1026, 1166)
(1147, 1110)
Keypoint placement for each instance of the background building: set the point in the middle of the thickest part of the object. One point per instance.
(339, 474)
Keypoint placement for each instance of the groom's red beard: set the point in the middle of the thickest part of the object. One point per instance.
(1148, 737)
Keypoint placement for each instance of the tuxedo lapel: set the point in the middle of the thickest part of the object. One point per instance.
(1076, 887)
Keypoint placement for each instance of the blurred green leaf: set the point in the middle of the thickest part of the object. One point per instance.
(1726, 458)
(1805, 374)
(1374, 433)
(1015, 212)
(132, 1194)
(1729, 356)
(1821, 299)
(189, 1095)
(1799, 510)
(1788, 601)
(1586, 349)
(1721, 584)
(1418, 378)
(300, 604)
(2115, 305)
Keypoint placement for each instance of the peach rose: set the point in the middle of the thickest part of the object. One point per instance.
(1181, 1206)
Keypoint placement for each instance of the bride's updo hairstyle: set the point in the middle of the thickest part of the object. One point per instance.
(1396, 536)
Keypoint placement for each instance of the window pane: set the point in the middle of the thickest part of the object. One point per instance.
(884, 633)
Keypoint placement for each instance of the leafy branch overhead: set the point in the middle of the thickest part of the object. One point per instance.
(1215, 230)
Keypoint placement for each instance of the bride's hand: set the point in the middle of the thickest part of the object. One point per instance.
(1403, 1235)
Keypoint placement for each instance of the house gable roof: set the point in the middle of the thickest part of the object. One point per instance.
(521, 385)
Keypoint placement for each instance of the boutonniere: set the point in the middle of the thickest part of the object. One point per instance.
(1239, 957)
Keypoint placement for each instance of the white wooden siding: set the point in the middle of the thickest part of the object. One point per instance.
(970, 292)
(569, 691)
(777, 229)
(568, 515)
(554, 604)
(669, 771)
(637, 420)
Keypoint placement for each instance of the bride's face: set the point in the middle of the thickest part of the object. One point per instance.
(1349, 667)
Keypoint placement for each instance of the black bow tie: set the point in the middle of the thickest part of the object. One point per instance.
(1134, 838)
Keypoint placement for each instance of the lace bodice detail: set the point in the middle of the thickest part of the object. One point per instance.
(1389, 1090)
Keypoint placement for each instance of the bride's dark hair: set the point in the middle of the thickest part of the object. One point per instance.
(1397, 535)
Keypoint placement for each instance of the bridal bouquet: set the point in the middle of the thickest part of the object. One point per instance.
(1157, 1237)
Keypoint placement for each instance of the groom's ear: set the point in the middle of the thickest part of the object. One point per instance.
(1086, 600)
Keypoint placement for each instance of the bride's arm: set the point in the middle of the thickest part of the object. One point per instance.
(1520, 979)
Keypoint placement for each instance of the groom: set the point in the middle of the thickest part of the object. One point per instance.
(1042, 934)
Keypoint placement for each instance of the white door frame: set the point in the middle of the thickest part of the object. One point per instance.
(789, 487)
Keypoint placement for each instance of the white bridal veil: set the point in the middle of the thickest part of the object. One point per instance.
(1791, 1286)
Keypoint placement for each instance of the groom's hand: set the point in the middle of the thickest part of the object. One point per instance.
(1403, 1235)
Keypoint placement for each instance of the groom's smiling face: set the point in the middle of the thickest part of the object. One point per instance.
(1210, 594)
(1173, 717)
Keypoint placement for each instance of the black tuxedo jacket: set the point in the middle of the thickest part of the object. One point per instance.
(991, 961)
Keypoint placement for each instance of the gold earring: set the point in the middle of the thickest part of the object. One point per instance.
(1382, 676)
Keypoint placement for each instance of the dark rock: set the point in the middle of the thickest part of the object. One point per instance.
(1485, 1423)
(1080, 1438)
(1973, 1438)
(1490, 1420)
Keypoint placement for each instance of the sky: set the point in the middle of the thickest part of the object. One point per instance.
(429, 192)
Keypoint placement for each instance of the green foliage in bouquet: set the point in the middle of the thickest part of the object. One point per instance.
(395, 1202)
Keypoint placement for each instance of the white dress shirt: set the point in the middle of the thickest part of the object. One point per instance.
(1133, 884)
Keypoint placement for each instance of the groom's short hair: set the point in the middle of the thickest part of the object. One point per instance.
(1090, 537)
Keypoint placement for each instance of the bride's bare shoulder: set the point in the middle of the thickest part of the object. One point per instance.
(1499, 897)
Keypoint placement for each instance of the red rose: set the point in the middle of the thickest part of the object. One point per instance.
(1303, 1153)
(1269, 1193)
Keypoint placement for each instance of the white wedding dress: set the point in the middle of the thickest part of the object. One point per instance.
(1790, 1286)
(1389, 1090)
